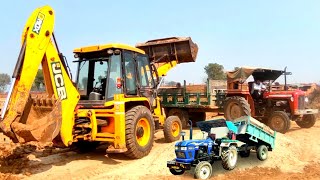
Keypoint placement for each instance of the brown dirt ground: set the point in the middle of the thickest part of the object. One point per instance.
(295, 156)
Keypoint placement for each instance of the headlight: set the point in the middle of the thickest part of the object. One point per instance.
(176, 147)
(306, 99)
(183, 148)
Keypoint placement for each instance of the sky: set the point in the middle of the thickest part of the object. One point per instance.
(233, 33)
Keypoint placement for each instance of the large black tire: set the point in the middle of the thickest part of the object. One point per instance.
(172, 129)
(229, 157)
(307, 121)
(279, 121)
(262, 152)
(182, 114)
(235, 107)
(86, 146)
(139, 132)
(203, 170)
(177, 171)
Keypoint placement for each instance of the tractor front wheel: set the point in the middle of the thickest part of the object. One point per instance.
(236, 107)
(203, 170)
(177, 171)
(172, 129)
(139, 132)
(279, 121)
(307, 121)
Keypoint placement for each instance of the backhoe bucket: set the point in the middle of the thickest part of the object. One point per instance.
(181, 49)
(41, 121)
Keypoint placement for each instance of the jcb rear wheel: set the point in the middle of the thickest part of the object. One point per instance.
(172, 129)
(139, 132)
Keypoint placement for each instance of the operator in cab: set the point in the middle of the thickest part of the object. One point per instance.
(257, 89)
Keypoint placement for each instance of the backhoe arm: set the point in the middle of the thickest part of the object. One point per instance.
(42, 119)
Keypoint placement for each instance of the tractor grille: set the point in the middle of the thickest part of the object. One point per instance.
(180, 155)
(301, 102)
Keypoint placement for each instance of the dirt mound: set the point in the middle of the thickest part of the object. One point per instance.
(314, 99)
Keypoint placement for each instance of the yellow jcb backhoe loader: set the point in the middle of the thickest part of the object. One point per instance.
(114, 99)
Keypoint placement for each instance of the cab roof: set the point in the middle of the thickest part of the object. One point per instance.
(95, 48)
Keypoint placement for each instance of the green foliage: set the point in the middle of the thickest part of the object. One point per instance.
(4, 81)
(38, 83)
(215, 71)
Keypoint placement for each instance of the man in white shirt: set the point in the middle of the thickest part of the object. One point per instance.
(257, 88)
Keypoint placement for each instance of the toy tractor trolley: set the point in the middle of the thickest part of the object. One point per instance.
(275, 107)
(225, 139)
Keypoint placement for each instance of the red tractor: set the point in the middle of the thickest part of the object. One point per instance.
(274, 107)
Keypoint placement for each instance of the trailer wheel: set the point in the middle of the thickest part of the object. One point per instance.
(177, 171)
(229, 157)
(236, 107)
(172, 129)
(182, 114)
(262, 152)
(308, 120)
(279, 121)
(203, 170)
(139, 132)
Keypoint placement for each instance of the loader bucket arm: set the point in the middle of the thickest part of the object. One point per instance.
(25, 118)
(166, 53)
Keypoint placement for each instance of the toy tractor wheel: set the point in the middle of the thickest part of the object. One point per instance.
(262, 152)
(203, 170)
(139, 132)
(279, 121)
(177, 171)
(236, 107)
(308, 120)
(229, 157)
(172, 129)
(182, 114)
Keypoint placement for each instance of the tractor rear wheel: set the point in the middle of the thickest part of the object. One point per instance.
(235, 107)
(172, 129)
(229, 157)
(182, 114)
(203, 170)
(139, 132)
(279, 121)
(307, 121)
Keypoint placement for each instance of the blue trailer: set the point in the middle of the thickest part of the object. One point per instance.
(224, 141)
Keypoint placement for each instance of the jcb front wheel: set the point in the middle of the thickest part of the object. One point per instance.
(139, 132)
(172, 129)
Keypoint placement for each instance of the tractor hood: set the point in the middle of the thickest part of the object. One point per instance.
(194, 142)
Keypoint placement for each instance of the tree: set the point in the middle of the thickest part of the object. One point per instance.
(236, 68)
(38, 81)
(215, 71)
(4, 81)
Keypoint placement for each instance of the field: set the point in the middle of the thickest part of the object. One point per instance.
(296, 156)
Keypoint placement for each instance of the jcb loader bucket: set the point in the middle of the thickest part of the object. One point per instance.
(40, 121)
(181, 49)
